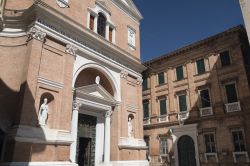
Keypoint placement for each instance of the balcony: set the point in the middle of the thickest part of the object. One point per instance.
(163, 118)
(233, 107)
(206, 111)
(146, 121)
(182, 116)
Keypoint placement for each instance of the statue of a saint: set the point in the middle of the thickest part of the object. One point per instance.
(43, 113)
(130, 128)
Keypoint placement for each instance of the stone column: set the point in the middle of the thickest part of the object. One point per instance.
(74, 127)
(107, 31)
(107, 137)
(95, 24)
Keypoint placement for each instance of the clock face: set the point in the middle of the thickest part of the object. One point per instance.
(62, 3)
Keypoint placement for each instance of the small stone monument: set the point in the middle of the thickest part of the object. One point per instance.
(43, 113)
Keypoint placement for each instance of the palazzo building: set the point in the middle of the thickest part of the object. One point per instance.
(70, 83)
(196, 103)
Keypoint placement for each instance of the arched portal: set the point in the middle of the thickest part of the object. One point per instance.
(94, 93)
(186, 151)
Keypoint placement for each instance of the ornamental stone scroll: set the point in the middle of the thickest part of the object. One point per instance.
(36, 34)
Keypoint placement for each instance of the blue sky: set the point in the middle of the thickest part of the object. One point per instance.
(172, 24)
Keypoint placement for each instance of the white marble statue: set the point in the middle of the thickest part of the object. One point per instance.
(43, 113)
(97, 80)
(130, 128)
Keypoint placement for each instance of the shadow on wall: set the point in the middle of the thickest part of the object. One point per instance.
(17, 108)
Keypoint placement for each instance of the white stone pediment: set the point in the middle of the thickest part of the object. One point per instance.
(95, 92)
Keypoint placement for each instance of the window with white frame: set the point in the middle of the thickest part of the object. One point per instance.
(238, 140)
(209, 139)
(163, 145)
(161, 78)
(131, 37)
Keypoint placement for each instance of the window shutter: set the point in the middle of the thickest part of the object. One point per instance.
(225, 58)
(163, 107)
(146, 109)
(161, 79)
(205, 98)
(91, 22)
(200, 66)
(231, 93)
(179, 73)
(182, 103)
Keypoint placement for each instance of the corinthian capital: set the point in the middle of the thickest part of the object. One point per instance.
(36, 34)
(70, 49)
(108, 114)
(76, 105)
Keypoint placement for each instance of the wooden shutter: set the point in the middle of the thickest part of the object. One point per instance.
(231, 93)
(91, 22)
(182, 103)
(179, 73)
(163, 107)
(225, 58)
(200, 66)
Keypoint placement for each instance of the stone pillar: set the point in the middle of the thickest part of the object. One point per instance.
(74, 126)
(107, 32)
(107, 137)
(95, 24)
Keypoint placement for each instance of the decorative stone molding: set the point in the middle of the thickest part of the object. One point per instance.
(76, 105)
(108, 114)
(131, 143)
(124, 74)
(70, 49)
(36, 34)
(139, 81)
(63, 3)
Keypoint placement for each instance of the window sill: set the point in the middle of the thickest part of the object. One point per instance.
(200, 74)
(159, 85)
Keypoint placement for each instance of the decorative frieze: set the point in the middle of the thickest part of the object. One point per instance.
(36, 34)
(124, 74)
(70, 49)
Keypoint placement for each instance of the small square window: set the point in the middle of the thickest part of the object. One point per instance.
(179, 73)
(225, 58)
(200, 66)
(161, 78)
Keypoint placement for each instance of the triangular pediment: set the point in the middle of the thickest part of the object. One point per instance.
(130, 6)
(95, 92)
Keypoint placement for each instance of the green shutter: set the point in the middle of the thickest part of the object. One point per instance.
(161, 79)
(231, 93)
(182, 103)
(200, 66)
(146, 109)
(179, 73)
(225, 58)
(205, 98)
(145, 84)
(163, 107)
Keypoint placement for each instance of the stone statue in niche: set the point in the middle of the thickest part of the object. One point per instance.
(43, 113)
(130, 128)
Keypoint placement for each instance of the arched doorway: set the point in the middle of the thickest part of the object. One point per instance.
(186, 151)
(95, 93)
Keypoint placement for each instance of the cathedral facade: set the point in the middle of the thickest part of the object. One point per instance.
(70, 83)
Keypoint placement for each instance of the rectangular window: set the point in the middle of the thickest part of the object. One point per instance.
(210, 143)
(163, 107)
(200, 66)
(161, 78)
(179, 73)
(231, 93)
(225, 58)
(238, 140)
(91, 22)
(205, 98)
(163, 145)
(110, 34)
(182, 103)
(145, 84)
(145, 109)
